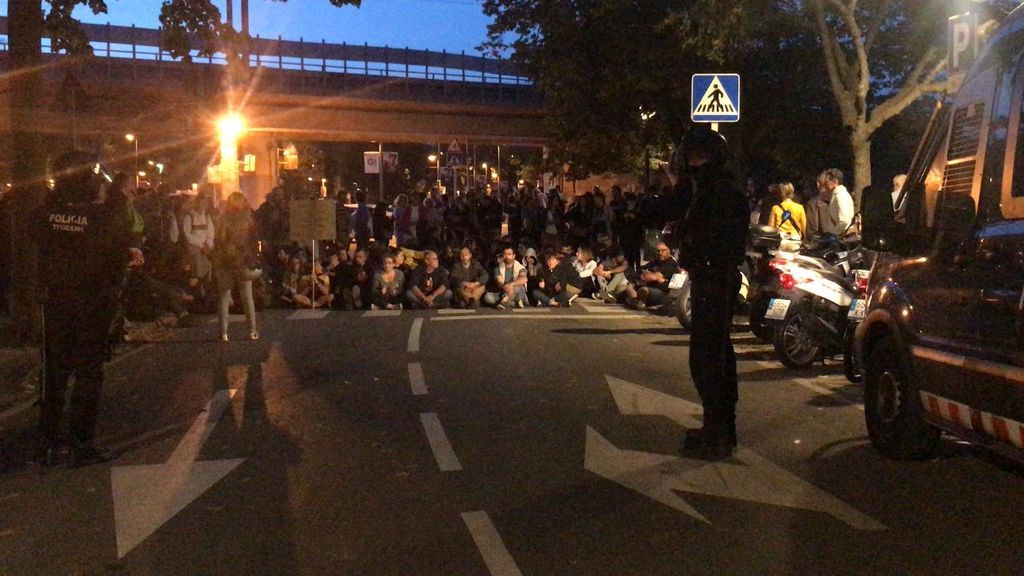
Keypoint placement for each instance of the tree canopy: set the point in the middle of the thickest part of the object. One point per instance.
(820, 77)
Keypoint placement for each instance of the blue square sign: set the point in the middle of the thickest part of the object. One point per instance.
(715, 98)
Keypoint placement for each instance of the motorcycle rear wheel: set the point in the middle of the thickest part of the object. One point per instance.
(684, 307)
(794, 345)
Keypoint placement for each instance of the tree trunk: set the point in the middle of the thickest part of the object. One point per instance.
(861, 148)
(25, 29)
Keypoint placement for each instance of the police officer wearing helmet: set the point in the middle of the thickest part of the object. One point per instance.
(83, 252)
(713, 236)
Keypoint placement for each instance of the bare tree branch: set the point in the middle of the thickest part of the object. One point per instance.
(831, 49)
(908, 93)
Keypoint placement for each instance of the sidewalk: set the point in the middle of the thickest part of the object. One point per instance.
(20, 366)
(19, 373)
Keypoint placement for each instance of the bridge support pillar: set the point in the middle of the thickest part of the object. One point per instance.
(256, 186)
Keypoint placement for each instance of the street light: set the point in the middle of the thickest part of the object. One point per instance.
(133, 140)
(436, 161)
(230, 128)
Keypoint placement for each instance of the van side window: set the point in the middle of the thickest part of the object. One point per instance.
(1011, 203)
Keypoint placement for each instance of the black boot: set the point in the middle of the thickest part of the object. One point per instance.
(86, 455)
(708, 443)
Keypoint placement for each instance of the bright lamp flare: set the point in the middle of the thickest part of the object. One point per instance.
(231, 126)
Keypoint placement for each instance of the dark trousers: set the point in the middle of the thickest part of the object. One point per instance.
(712, 358)
(76, 345)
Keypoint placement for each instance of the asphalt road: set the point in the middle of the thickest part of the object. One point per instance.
(532, 443)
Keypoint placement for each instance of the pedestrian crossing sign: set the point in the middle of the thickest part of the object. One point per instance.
(715, 98)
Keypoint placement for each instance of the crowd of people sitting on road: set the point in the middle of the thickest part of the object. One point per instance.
(519, 248)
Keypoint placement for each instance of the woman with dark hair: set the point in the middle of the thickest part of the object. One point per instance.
(234, 260)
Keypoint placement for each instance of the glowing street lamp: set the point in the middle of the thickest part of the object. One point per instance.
(133, 140)
(436, 161)
(230, 128)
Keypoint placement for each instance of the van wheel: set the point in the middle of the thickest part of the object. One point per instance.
(892, 407)
(684, 307)
(794, 346)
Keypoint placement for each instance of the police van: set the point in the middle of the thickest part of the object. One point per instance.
(942, 342)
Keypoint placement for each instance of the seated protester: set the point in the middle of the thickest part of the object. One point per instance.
(355, 278)
(582, 284)
(534, 269)
(509, 282)
(290, 280)
(604, 247)
(468, 280)
(652, 288)
(387, 286)
(197, 298)
(553, 288)
(611, 279)
(333, 268)
(407, 260)
(314, 288)
(428, 284)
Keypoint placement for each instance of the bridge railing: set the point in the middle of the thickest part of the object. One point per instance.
(130, 42)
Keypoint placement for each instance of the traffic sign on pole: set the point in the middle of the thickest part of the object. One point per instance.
(715, 98)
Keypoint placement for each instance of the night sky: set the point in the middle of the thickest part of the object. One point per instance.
(452, 25)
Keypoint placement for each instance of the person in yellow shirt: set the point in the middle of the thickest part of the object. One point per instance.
(788, 216)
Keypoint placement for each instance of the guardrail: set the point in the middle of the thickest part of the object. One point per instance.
(129, 42)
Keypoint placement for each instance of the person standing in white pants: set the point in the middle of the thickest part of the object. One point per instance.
(235, 262)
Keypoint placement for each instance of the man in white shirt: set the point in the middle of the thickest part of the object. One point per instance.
(840, 204)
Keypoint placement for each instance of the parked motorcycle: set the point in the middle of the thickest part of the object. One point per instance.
(679, 301)
(816, 300)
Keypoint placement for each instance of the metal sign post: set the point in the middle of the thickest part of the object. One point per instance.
(312, 220)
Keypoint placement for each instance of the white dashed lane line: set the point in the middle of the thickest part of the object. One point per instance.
(414, 335)
(417, 382)
(381, 313)
(309, 314)
(447, 461)
(496, 556)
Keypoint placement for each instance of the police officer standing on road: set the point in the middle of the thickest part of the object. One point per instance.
(83, 252)
(714, 230)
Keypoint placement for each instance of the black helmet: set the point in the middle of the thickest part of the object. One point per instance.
(75, 177)
(701, 138)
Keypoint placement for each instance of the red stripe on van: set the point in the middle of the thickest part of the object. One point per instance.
(954, 412)
(1002, 431)
(977, 424)
(933, 406)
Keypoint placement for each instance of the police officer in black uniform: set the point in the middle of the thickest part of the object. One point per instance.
(713, 233)
(83, 253)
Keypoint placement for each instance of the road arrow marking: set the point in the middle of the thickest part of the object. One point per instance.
(146, 497)
(634, 400)
(745, 476)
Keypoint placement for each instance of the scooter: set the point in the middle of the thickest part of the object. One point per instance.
(679, 301)
(816, 300)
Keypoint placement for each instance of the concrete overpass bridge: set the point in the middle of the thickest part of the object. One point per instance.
(292, 90)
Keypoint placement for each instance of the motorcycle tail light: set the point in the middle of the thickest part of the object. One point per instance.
(861, 278)
(787, 280)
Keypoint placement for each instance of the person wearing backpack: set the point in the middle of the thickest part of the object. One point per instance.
(788, 216)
